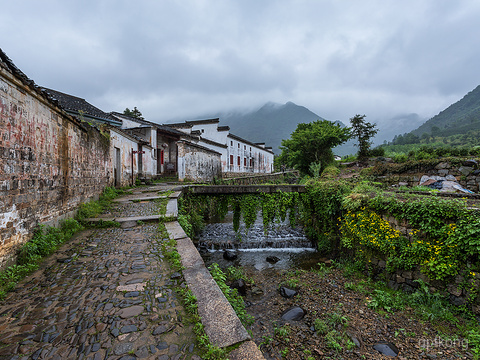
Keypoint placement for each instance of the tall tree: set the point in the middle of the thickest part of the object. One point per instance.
(312, 143)
(133, 113)
(363, 131)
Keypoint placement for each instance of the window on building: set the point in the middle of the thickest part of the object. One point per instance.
(251, 162)
(244, 147)
(231, 159)
(231, 143)
(239, 145)
(238, 160)
(245, 162)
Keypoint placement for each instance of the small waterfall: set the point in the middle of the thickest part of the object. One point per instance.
(289, 246)
(218, 236)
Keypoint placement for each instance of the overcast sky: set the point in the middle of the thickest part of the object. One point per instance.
(181, 59)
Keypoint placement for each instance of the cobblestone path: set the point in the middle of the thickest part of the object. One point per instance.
(107, 294)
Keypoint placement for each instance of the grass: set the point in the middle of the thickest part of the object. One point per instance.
(92, 209)
(426, 306)
(45, 241)
(232, 295)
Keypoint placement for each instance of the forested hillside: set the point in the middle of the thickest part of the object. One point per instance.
(458, 125)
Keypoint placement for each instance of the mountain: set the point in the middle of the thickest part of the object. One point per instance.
(269, 124)
(459, 118)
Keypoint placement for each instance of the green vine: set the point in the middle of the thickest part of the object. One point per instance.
(274, 207)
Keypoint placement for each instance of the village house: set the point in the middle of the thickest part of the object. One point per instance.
(177, 153)
(238, 156)
(133, 156)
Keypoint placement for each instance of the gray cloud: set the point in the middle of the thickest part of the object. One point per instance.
(176, 59)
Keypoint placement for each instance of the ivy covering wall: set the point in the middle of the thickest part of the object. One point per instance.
(437, 236)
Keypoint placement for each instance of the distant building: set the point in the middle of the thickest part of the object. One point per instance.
(237, 155)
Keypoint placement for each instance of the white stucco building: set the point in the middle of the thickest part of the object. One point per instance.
(237, 155)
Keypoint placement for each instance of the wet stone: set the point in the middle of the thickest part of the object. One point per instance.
(386, 348)
(128, 329)
(287, 293)
(159, 330)
(295, 313)
(142, 352)
(272, 259)
(127, 357)
(138, 266)
(122, 348)
(131, 294)
(229, 255)
(240, 285)
(162, 345)
(135, 281)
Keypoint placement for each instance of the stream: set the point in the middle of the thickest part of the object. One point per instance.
(288, 246)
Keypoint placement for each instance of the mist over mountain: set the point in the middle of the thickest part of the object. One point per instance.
(457, 125)
(459, 118)
(270, 124)
(398, 124)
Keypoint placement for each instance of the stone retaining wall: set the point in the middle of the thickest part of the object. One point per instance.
(249, 179)
(466, 173)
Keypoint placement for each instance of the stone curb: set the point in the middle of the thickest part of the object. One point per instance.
(221, 323)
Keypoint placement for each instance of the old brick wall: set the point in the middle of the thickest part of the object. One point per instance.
(196, 163)
(49, 162)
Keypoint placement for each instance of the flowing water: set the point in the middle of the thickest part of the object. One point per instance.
(289, 245)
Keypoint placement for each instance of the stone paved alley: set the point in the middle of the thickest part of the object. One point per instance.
(106, 294)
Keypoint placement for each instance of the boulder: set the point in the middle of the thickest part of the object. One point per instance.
(229, 255)
(465, 170)
(386, 348)
(471, 163)
(240, 285)
(295, 313)
(287, 293)
(272, 259)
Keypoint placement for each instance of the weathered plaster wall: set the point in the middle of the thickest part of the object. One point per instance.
(124, 144)
(197, 163)
(49, 163)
